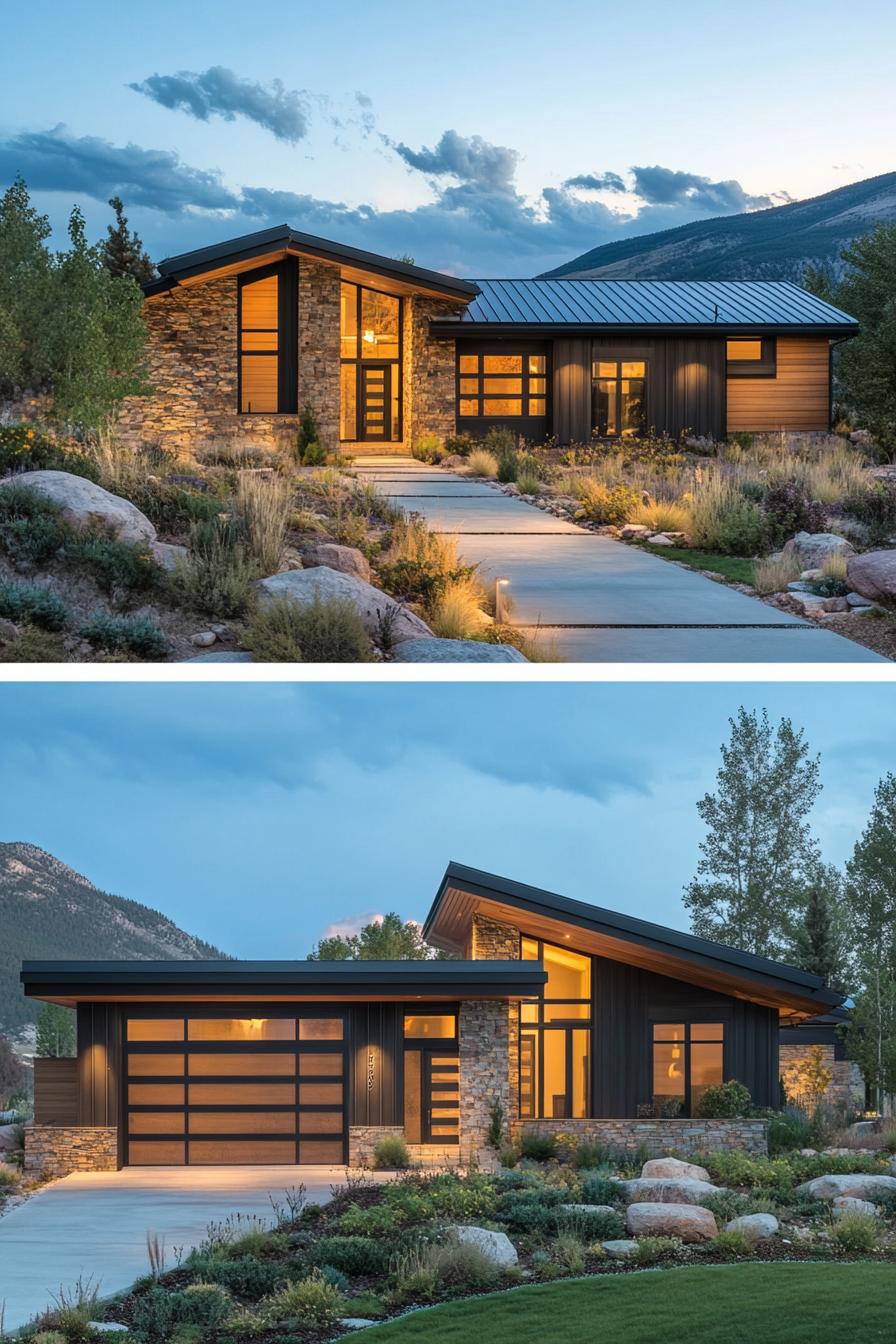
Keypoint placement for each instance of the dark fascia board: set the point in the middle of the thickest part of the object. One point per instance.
(460, 329)
(354, 979)
(687, 947)
(236, 250)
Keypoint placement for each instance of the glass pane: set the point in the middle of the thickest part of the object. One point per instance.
(537, 364)
(149, 1065)
(564, 1012)
(668, 1073)
(241, 1029)
(537, 406)
(632, 405)
(249, 1122)
(156, 1029)
(470, 385)
(529, 949)
(258, 383)
(468, 408)
(668, 1031)
(528, 1012)
(348, 402)
(707, 1031)
(260, 340)
(603, 407)
(605, 368)
(537, 387)
(505, 406)
(320, 1029)
(413, 1115)
(502, 363)
(348, 321)
(155, 1122)
(320, 1066)
(379, 325)
(634, 369)
(581, 1049)
(528, 1074)
(556, 1098)
(242, 1094)
(426, 1024)
(745, 350)
(246, 1066)
(503, 386)
(259, 304)
(569, 973)
(706, 1069)
(469, 363)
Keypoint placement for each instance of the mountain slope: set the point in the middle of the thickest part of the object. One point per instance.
(773, 244)
(48, 910)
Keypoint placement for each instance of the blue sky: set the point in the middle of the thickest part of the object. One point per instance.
(236, 809)
(483, 139)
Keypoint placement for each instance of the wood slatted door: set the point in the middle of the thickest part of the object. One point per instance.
(441, 1117)
(213, 1090)
(376, 401)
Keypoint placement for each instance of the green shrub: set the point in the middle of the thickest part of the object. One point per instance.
(571, 1252)
(875, 506)
(508, 1155)
(314, 455)
(325, 631)
(126, 634)
(597, 1189)
(724, 1101)
(725, 522)
(788, 1128)
(539, 1147)
(217, 576)
(857, 1232)
(244, 1324)
(313, 1301)
(735, 1244)
(459, 445)
(532, 1210)
(202, 1304)
(31, 527)
(499, 440)
(171, 506)
(727, 1204)
(653, 1250)
(308, 434)
(113, 564)
(24, 448)
(788, 510)
(379, 1220)
(508, 466)
(351, 1255)
(391, 1154)
(591, 1226)
(153, 1315)
(248, 1276)
(335, 1277)
(31, 602)
(34, 646)
(47, 1337)
(427, 448)
(605, 505)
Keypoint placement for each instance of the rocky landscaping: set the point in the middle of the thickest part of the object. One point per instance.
(561, 1211)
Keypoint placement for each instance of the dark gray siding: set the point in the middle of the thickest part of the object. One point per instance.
(375, 1063)
(99, 1068)
(572, 390)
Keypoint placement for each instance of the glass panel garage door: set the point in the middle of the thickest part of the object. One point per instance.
(209, 1090)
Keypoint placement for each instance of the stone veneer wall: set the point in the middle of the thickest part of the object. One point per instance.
(319, 351)
(58, 1150)
(659, 1137)
(491, 941)
(489, 1064)
(362, 1139)
(846, 1088)
(429, 375)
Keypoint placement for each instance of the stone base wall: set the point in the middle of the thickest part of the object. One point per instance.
(362, 1139)
(319, 353)
(429, 371)
(661, 1138)
(846, 1088)
(58, 1150)
(489, 1064)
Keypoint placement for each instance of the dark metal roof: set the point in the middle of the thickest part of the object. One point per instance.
(685, 947)
(353, 979)
(236, 250)
(648, 305)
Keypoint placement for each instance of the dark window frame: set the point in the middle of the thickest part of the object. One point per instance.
(286, 354)
(531, 426)
(688, 1021)
(359, 364)
(567, 1025)
(596, 378)
(764, 367)
(428, 1046)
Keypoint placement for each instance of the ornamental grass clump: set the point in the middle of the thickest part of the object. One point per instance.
(606, 504)
(482, 463)
(857, 1232)
(660, 516)
(217, 576)
(263, 508)
(457, 613)
(724, 521)
(326, 630)
(312, 1301)
(391, 1154)
(772, 573)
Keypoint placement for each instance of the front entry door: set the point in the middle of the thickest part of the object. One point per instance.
(431, 1095)
(376, 402)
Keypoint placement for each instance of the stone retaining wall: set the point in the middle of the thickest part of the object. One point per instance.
(362, 1139)
(661, 1138)
(58, 1150)
(846, 1088)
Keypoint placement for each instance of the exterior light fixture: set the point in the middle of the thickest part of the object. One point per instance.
(370, 337)
(501, 605)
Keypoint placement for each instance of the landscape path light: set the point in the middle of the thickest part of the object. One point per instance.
(502, 607)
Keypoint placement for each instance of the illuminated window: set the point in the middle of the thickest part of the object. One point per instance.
(267, 314)
(430, 1026)
(502, 386)
(618, 397)
(751, 357)
(370, 346)
(555, 1036)
(687, 1059)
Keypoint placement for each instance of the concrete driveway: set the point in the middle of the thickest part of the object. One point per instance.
(96, 1223)
(592, 598)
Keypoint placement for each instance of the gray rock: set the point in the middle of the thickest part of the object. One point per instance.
(835, 604)
(757, 1226)
(496, 1245)
(82, 501)
(355, 1322)
(846, 1204)
(9, 1138)
(672, 1190)
(434, 650)
(622, 1248)
(873, 575)
(690, 1222)
(345, 559)
(8, 629)
(673, 1168)
(373, 606)
(800, 586)
(222, 656)
(660, 539)
(633, 530)
(812, 575)
(587, 1208)
(858, 1186)
(107, 1327)
(813, 548)
(218, 630)
(167, 555)
(203, 639)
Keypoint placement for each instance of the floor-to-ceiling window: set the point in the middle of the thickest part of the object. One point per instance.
(555, 1036)
(687, 1059)
(618, 397)
(370, 347)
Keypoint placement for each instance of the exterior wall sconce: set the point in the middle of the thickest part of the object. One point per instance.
(502, 605)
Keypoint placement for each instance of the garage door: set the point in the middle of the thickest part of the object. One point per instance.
(207, 1090)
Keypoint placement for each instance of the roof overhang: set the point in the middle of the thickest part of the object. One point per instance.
(272, 245)
(73, 982)
(465, 892)
(461, 329)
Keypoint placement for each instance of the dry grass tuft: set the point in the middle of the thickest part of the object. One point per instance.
(772, 574)
(661, 516)
(835, 567)
(264, 508)
(482, 463)
(411, 540)
(457, 613)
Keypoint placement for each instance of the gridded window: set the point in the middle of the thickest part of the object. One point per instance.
(431, 1077)
(370, 379)
(618, 397)
(687, 1059)
(259, 345)
(502, 386)
(555, 1035)
(751, 357)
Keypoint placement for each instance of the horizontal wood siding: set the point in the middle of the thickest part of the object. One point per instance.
(797, 398)
(375, 1063)
(572, 391)
(56, 1091)
(99, 1063)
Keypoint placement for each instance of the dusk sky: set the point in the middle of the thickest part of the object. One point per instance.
(238, 809)
(482, 139)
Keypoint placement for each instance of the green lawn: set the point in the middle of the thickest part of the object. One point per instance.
(736, 568)
(727, 1304)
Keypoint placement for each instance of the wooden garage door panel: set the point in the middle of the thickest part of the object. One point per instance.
(238, 1151)
(243, 1065)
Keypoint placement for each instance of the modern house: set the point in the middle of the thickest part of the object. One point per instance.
(573, 1018)
(245, 333)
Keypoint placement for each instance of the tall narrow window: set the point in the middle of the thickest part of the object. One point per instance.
(555, 1036)
(687, 1059)
(618, 397)
(370, 379)
(267, 313)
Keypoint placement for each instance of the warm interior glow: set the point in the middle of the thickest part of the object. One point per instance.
(259, 345)
(430, 1025)
(744, 351)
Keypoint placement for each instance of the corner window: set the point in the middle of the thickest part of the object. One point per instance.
(555, 1036)
(502, 386)
(370, 333)
(751, 357)
(618, 397)
(687, 1059)
(266, 322)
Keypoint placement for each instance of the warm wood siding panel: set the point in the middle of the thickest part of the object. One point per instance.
(55, 1091)
(797, 398)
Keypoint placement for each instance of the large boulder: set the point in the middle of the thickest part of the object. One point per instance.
(620, 1248)
(346, 559)
(813, 548)
(379, 612)
(859, 1186)
(434, 650)
(756, 1226)
(10, 1138)
(844, 1205)
(497, 1246)
(82, 501)
(672, 1191)
(674, 1168)
(873, 575)
(687, 1221)
(169, 556)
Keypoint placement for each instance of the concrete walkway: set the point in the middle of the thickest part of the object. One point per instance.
(95, 1224)
(594, 599)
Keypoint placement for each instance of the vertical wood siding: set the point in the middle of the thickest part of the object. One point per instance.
(99, 1068)
(797, 398)
(376, 1047)
(572, 390)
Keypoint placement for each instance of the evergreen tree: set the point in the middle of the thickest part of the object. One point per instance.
(12, 1073)
(759, 853)
(819, 936)
(384, 939)
(123, 252)
(55, 1032)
